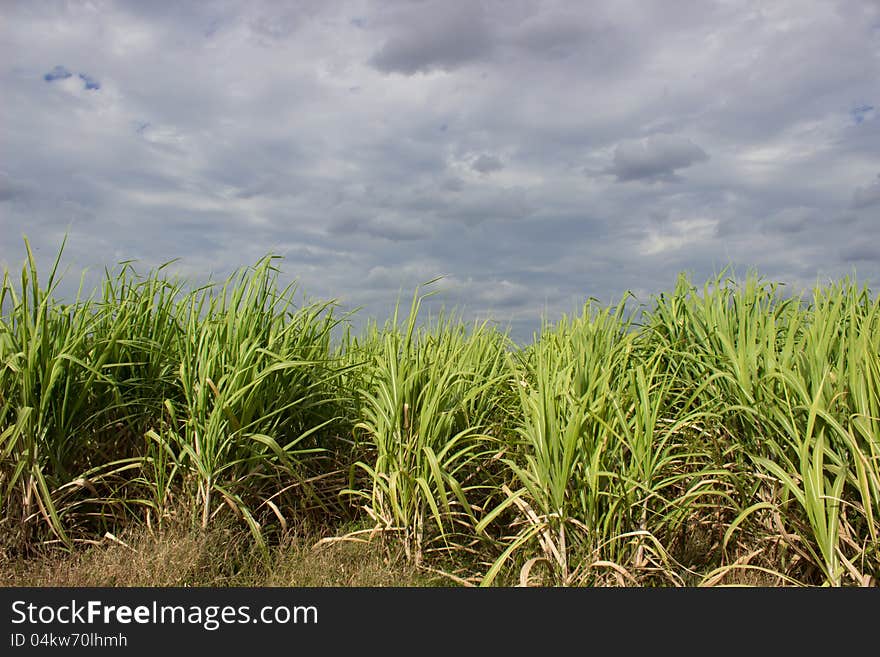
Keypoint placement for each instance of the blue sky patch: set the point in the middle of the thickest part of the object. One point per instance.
(61, 73)
(57, 73)
(91, 83)
(859, 114)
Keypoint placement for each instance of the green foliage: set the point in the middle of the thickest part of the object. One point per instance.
(732, 433)
(429, 398)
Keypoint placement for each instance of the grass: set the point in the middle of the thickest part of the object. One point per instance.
(180, 555)
(153, 432)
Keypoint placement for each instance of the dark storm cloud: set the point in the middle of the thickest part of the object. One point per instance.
(655, 158)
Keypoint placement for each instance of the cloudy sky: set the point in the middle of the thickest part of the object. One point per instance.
(532, 152)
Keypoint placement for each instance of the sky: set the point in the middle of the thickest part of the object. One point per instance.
(533, 153)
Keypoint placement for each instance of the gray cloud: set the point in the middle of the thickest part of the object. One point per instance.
(860, 253)
(11, 190)
(434, 36)
(556, 32)
(452, 184)
(487, 164)
(655, 158)
(394, 229)
(790, 220)
(379, 144)
(481, 205)
(553, 36)
(867, 196)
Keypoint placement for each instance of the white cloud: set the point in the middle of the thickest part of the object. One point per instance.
(677, 236)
